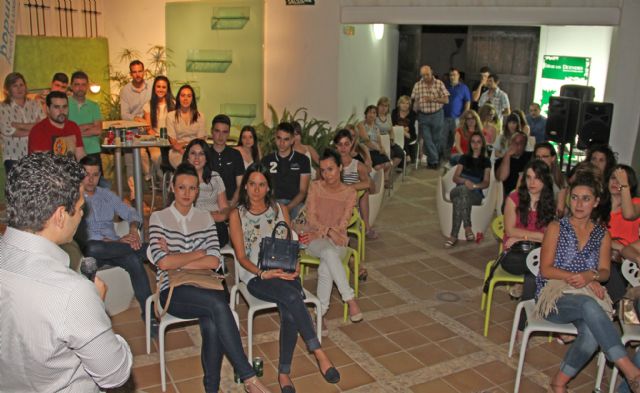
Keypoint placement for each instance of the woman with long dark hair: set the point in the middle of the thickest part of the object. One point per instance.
(511, 127)
(603, 158)
(155, 114)
(546, 152)
(248, 146)
(211, 195)
(254, 218)
(184, 124)
(472, 175)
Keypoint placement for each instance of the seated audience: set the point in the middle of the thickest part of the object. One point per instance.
(537, 123)
(248, 146)
(184, 237)
(403, 116)
(329, 207)
(472, 175)
(18, 115)
(56, 336)
(359, 151)
(510, 127)
(211, 195)
(155, 115)
(576, 256)
(370, 136)
(546, 152)
(470, 123)
(603, 158)
(290, 171)
(307, 150)
(524, 126)
(385, 126)
(226, 160)
(254, 219)
(184, 124)
(509, 167)
(56, 134)
(128, 252)
(491, 123)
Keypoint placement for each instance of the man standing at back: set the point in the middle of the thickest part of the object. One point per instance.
(86, 114)
(498, 98)
(429, 96)
(227, 161)
(290, 171)
(54, 332)
(479, 87)
(537, 122)
(459, 101)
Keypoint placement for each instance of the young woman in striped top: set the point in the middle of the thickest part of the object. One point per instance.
(184, 237)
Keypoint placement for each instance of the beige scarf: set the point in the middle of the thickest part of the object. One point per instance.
(555, 289)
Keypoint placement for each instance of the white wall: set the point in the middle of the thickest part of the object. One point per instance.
(576, 41)
(368, 69)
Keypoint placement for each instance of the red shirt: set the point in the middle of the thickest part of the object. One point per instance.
(44, 136)
(626, 232)
(531, 218)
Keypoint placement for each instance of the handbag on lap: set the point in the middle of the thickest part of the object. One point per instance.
(278, 253)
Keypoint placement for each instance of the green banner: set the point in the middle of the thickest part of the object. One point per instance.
(565, 67)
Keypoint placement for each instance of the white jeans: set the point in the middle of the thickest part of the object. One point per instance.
(330, 271)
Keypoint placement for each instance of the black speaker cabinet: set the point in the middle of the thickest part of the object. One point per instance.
(562, 119)
(583, 93)
(595, 124)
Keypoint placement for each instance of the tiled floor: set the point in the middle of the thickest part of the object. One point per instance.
(422, 330)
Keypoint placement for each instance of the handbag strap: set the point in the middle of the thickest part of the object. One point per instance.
(166, 304)
(281, 224)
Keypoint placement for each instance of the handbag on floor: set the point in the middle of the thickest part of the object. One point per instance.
(278, 253)
(201, 278)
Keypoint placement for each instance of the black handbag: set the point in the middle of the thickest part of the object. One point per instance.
(513, 260)
(278, 253)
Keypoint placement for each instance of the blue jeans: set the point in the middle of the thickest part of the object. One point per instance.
(431, 125)
(594, 330)
(218, 329)
(294, 316)
(448, 134)
(121, 254)
(624, 386)
(293, 213)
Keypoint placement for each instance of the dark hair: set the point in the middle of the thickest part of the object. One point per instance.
(60, 77)
(330, 154)
(369, 107)
(495, 77)
(79, 75)
(184, 169)
(243, 198)
(610, 157)
(286, 127)
(297, 128)
(208, 155)
(221, 118)
(483, 150)
(135, 62)
(546, 208)
(512, 118)
(255, 152)
(631, 174)
(90, 160)
(535, 104)
(343, 133)
(485, 69)
(455, 69)
(556, 172)
(55, 94)
(9, 80)
(602, 212)
(153, 103)
(37, 185)
(193, 107)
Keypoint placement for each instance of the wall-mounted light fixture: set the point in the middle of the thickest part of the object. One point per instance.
(378, 31)
(94, 88)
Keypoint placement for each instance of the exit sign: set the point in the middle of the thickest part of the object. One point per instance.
(300, 2)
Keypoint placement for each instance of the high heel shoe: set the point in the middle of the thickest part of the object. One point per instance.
(287, 388)
(255, 383)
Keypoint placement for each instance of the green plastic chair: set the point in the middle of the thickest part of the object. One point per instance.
(499, 276)
(356, 228)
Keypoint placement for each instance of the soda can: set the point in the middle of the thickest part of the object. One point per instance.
(236, 378)
(111, 135)
(258, 366)
(129, 137)
(123, 134)
(163, 133)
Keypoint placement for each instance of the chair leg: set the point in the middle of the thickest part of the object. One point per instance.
(250, 333)
(487, 313)
(163, 374)
(523, 349)
(514, 328)
(147, 322)
(614, 377)
(602, 362)
(318, 320)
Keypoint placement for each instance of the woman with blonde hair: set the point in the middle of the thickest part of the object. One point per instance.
(469, 123)
(403, 116)
(490, 121)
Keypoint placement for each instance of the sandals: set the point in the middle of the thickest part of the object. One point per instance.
(371, 234)
(253, 385)
(450, 242)
(469, 236)
(363, 274)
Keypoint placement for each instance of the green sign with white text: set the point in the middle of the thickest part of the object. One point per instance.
(565, 67)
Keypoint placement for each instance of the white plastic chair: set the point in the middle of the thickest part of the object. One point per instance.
(256, 305)
(630, 333)
(398, 138)
(385, 141)
(481, 215)
(168, 319)
(375, 198)
(533, 324)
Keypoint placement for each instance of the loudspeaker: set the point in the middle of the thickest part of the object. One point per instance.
(583, 93)
(562, 119)
(595, 124)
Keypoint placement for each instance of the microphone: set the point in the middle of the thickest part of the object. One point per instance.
(89, 267)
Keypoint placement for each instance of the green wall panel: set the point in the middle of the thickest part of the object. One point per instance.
(196, 47)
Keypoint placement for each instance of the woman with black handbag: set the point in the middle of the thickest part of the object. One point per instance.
(255, 218)
(182, 238)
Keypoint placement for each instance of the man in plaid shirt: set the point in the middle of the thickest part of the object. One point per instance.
(429, 95)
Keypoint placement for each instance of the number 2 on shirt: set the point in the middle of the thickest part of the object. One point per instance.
(273, 167)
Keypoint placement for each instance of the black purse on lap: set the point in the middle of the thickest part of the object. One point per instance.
(278, 253)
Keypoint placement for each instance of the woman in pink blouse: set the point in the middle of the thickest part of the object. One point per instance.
(329, 207)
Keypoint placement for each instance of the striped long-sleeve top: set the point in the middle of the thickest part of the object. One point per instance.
(195, 231)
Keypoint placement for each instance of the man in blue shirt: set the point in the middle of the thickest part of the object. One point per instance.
(536, 122)
(459, 101)
(102, 242)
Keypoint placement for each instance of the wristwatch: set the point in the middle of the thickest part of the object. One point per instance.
(596, 275)
(621, 186)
